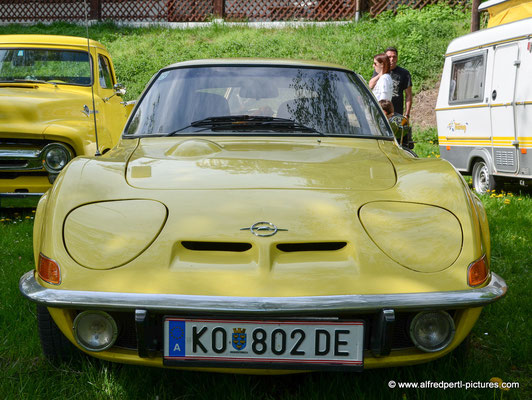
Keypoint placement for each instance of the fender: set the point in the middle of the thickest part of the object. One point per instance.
(484, 154)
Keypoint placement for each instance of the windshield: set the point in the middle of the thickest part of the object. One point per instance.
(256, 100)
(47, 65)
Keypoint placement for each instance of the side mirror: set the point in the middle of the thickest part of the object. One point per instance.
(120, 89)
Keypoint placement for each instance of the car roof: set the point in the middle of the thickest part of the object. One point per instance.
(55, 40)
(256, 61)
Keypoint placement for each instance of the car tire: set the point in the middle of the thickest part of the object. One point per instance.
(462, 353)
(483, 182)
(55, 346)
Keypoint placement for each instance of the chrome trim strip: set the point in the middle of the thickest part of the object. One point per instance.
(17, 195)
(31, 289)
(19, 153)
(31, 157)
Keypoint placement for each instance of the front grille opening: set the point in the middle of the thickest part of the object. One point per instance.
(13, 163)
(319, 246)
(14, 175)
(216, 246)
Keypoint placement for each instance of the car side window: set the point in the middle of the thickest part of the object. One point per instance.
(467, 79)
(106, 79)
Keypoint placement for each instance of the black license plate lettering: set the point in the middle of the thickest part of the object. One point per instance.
(295, 350)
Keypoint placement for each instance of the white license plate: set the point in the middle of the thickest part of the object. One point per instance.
(267, 342)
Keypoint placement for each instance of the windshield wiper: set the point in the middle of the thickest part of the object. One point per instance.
(243, 122)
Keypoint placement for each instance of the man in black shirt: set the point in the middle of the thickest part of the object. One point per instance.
(402, 82)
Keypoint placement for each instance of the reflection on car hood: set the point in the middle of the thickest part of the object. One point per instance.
(260, 163)
(26, 109)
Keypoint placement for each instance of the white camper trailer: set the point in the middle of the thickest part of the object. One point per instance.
(484, 107)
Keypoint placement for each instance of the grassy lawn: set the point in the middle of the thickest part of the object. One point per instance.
(500, 342)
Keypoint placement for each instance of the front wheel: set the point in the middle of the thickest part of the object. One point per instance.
(483, 182)
(56, 347)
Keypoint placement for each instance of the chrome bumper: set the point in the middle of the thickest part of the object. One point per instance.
(174, 303)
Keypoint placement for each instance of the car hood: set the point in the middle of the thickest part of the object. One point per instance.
(260, 163)
(29, 108)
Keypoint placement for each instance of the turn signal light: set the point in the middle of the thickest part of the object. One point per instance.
(477, 273)
(49, 271)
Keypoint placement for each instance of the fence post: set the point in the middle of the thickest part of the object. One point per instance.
(360, 7)
(219, 8)
(475, 18)
(95, 10)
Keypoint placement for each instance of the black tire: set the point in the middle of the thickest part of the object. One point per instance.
(55, 346)
(483, 182)
(410, 151)
(462, 354)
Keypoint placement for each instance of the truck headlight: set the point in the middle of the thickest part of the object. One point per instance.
(55, 156)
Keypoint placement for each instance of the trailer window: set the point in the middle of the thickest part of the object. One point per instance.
(467, 80)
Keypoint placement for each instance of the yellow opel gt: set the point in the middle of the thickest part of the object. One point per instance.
(259, 216)
(54, 91)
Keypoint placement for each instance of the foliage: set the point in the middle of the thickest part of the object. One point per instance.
(426, 142)
(421, 37)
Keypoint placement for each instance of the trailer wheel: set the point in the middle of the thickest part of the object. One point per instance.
(483, 182)
(56, 347)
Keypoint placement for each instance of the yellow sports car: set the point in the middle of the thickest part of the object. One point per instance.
(258, 215)
(54, 90)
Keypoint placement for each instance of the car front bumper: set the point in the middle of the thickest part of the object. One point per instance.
(173, 303)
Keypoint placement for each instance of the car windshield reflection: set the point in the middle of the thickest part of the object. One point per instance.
(256, 100)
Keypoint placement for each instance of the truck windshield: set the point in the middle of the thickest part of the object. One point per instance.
(46, 65)
(256, 100)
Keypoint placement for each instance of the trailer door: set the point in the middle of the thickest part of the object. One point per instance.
(502, 103)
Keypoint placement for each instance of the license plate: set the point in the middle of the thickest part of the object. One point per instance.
(276, 344)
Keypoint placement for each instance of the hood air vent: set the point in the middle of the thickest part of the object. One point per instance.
(320, 246)
(216, 246)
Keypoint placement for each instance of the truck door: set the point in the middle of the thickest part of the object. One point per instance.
(502, 107)
(113, 113)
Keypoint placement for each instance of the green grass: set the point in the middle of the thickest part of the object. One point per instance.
(421, 37)
(426, 142)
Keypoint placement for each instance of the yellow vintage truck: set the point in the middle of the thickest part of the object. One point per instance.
(59, 98)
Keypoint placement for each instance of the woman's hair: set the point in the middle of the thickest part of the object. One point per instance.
(387, 106)
(383, 59)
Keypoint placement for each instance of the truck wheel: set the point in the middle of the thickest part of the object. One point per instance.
(55, 346)
(482, 180)
(410, 151)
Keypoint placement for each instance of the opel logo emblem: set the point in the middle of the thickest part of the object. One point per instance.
(263, 229)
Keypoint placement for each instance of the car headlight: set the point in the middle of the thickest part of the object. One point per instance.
(420, 237)
(55, 156)
(432, 330)
(109, 234)
(95, 330)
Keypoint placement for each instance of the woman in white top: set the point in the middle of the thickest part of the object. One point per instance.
(382, 84)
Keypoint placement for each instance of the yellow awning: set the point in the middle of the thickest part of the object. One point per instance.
(508, 11)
